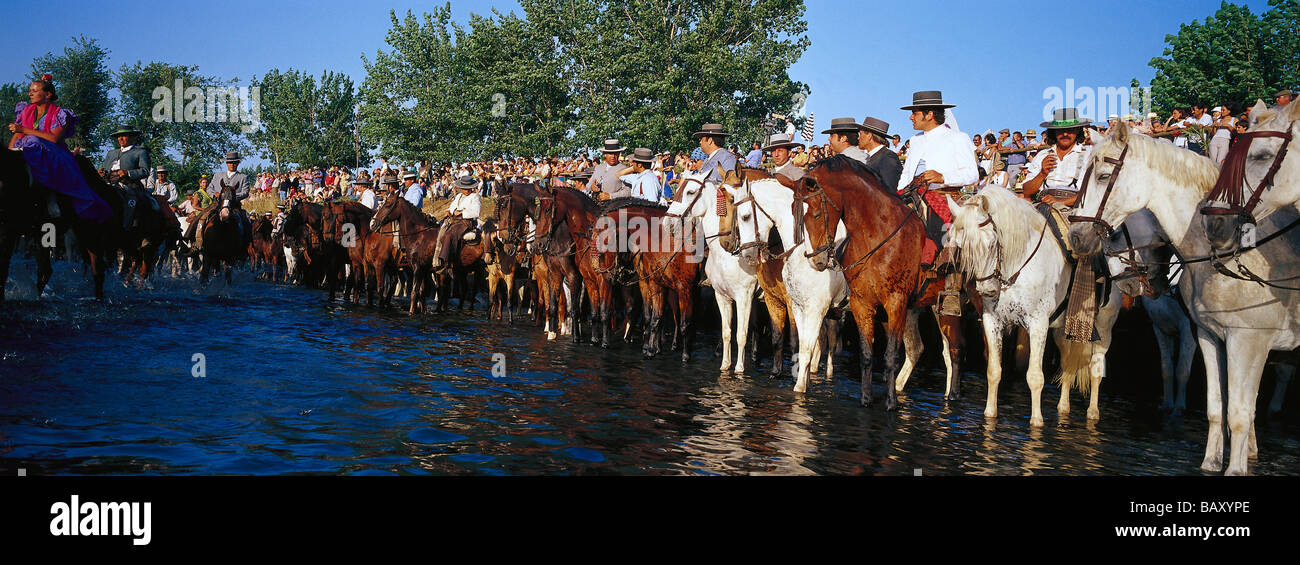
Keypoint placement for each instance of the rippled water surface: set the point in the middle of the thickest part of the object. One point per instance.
(297, 385)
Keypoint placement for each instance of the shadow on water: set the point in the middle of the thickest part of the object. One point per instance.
(293, 384)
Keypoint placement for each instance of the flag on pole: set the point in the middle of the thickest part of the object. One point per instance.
(808, 128)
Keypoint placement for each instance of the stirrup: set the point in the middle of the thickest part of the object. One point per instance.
(949, 303)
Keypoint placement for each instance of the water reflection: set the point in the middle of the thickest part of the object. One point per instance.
(298, 385)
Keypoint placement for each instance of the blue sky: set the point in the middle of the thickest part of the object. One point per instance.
(993, 59)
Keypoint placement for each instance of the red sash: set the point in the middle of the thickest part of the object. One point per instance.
(27, 118)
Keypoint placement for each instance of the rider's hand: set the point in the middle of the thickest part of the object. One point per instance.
(932, 176)
(1049, 164)
(17, 128)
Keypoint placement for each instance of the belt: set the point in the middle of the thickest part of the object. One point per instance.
(1061, 192)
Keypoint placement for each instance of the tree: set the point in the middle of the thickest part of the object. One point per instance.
(188, 148)
(82, 81)
(651, 72)
(1234, 57)
(306, 123)
(11, 93)
(414, 97)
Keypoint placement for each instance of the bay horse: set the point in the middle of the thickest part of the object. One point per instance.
(519, 203)
(22, 201)
(320, 247)
(564, 230)
(152, 232)
(1238, 321)
(666, 253)
(267, 249)
(381, 263)
(502, 269)
(881, 263)
(417, 236)
(463, 260)
(222, 243)
(347, 226)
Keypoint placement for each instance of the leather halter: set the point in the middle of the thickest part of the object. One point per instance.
(1108, 229)
(1134, 266)
(1233, 195)
(1003, 284)
(764, 254)
(814, 191)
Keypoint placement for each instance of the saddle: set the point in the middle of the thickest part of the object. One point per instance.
(1089, 283)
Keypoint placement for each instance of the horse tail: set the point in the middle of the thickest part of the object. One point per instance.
(1076, 364)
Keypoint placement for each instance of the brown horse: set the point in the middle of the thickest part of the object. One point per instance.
(663, 252)
(881, 257)
(381, 264)
(463, 259)
(267, 249)
(223, 245)
(22, 204)
(573, 213)
(553, 260)
(418, 240)
(347, 225)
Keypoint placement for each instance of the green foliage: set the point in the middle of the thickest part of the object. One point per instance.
(11, 93)
(306, 123)
(573, 72)
(1234, 57)
(82, 81)
(187, 148)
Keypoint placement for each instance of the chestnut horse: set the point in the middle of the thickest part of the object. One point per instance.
(418, 238)
(881, 260)
(573, 211)
(266, 249)
(347, 225)
(666, 253)
(552, 269)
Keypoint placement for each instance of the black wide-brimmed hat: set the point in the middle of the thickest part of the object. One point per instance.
(927, 99)
(711, 130)
(1065, 118)
(466, 183)
(125, 130)
(233, 157)
(582, 175)
(361, 182)
(643, 155)
(876, 126)
(390, 179)
(843, 125)
(613, 146)
(779, 140)
(409, 175)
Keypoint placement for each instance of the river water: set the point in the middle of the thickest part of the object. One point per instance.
(292, 384)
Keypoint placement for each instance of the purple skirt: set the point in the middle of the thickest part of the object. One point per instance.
(56, 168)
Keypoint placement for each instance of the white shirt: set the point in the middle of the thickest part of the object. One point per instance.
(117, 165)
(467, 204)
(368, 199)
(1068, 174)
(945, 150)
(1225, 133)
(645, 185)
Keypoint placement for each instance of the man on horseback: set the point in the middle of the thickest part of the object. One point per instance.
(717, 159)
(779, 144)
(461, 215)
(844, 139)
(874, 141)
(940, 160)
(411, 191)
(365, 194)
(605, 178)
(128, 167)
(1055, 174)
(163, 187)
(644, 182)
(229, 178)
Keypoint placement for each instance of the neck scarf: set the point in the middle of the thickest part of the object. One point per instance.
(28, 117)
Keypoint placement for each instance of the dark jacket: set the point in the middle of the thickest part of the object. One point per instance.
(887, 168)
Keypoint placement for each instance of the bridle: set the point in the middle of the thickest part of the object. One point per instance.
(815, 191)
(1004, 283)
(1134, 266)
(1104, 228)
(764, 253)
(1232, 184)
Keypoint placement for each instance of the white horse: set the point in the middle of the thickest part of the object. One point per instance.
(1272, 137)
(1140, 259)
(733, 282)
(1023, 278)
(1238, 321)
(760, 205)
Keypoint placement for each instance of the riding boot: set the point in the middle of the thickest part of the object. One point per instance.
(198, 233)
(950, 296)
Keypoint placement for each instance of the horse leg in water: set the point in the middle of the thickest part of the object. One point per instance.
(652, 309)
(686, 319)
(43, 269)
(993, 350)
(912, 349)
(1248, 351)
(950, 333)
(864, 311)
(8, 240)
(778, 314)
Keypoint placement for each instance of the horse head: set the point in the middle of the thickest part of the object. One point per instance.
(1138, 255)
(1257, 177)
(227, 199)
(385, 213)
(994, 231)
(816, 216)
(754, 218)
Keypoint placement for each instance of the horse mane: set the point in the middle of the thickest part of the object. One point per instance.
(615, 204)
(840, 162)
(583, 199)
(1016, 221)
(1170, 161)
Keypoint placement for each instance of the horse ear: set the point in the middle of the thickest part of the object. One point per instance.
(1258, 110)
(1121, 133)
(953, 207)
(983, 202)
